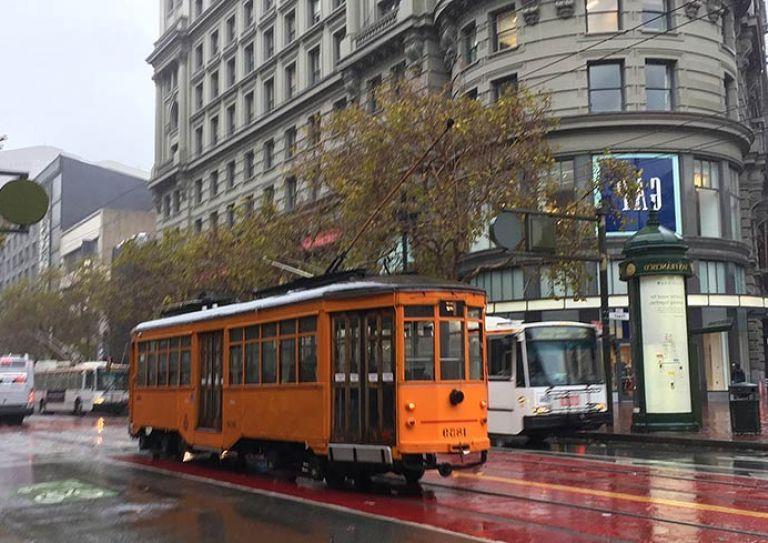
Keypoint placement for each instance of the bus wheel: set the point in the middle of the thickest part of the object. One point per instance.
(16, 420)
(42, 407)
(78, 408)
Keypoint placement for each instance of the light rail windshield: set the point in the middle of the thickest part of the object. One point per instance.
(111, 380)
(562, 355)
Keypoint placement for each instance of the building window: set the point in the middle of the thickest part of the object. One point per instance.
(213, 220)
(562, 177)
(214, 43)
(199, 140)
(176, 202)
(314, 66)
(231, 215)
(167, 206)
(734, 201)
(231, 72)
(269, 43)
(726, 27)
(290, 81)
(269, 95)
(231, 175)
(214, 183)
(315, 13)
(248, 13)
(340, 104)
(231, 119)
(290, 143)
(501, 285)
(248, 166)
(731, 103)
(249, 109)
(250, 58)
(501, 86)
(214, 130)
(469, 43)
(338, 3)
(290, 194)
(248, 206)
(198, 226)
(313, 130)
(199, 56)
(373, 85)
(269, 154)
(268, 4)
(606, 87)
(199, 96)
(658, 85)
(338, 38)
(505, 30)
(616, 287)
(214, 84)
(231, 29)
(655, 15)
(198, 7)
(289, 23)
(706, 179)
(602, 16)
(712, 277)
(198, 191)
(268, 196)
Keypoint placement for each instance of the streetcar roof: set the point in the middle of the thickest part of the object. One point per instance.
(497, 325)
(347, 289)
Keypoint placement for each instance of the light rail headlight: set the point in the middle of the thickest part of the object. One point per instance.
(541, 410)
(98, 401)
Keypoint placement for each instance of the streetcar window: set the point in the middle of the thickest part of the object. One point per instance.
(185, 376)
(452, 350)
(236, 335)
(173, 366)
(308, 359)
(186, 341)
(268, 360)
(307, 324)
(141, 376)
(287, 327)
(162, 366)
(419, 311)
(152, 365)
(288, 359)
(475, 351)
(252, 332)
(451, 309)
(474, 313)
(174, 343)
(500, 359)
(252, 363)
(420, 351)
(236, 363)
(269, 330)
(387, 352)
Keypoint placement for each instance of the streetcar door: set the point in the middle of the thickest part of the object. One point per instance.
(363, 377)
(211, 379)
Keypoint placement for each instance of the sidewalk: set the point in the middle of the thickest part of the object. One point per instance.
(715, 432)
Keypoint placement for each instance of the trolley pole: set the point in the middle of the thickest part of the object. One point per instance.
(602, 248)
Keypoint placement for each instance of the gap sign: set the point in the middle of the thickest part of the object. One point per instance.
(661, 192)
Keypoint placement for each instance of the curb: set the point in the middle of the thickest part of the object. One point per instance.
(673, 440)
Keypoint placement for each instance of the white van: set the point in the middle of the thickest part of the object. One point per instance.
(17, 382)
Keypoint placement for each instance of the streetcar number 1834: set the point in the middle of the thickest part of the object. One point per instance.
(454, 432)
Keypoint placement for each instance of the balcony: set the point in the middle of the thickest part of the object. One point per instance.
(375, 29)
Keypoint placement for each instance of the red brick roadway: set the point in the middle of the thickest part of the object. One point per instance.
(521, 496)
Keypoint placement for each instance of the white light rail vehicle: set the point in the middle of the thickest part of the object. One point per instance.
(80, 389)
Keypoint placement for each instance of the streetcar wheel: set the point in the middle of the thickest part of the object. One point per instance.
(362, 481)
(413, 476)
(334, 478)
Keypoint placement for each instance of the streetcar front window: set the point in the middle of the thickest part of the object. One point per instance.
(560, 355)
(111, 380)
(420, 351)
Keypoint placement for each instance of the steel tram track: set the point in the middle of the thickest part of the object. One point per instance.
(600, 510)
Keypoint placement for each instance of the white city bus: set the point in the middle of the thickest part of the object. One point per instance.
(17, 379)
(89, 386)
(543, 377)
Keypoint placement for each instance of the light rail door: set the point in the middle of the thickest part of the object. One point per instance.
(364, 377)
(211, 380)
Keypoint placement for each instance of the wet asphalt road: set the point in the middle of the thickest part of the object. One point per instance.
(80, 480)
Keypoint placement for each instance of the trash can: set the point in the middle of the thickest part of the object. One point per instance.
(745, 408)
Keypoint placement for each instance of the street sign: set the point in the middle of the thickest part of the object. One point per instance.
(23, 202)
(508, 230)
(618, 315)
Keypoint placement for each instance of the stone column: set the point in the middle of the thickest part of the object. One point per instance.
(157, 78)
(184, 101)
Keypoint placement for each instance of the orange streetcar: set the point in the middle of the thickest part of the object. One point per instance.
(345, 379)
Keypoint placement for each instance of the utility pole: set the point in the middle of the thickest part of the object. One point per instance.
(602, 249)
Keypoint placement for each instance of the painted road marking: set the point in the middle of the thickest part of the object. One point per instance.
(69, 490)
(615, 495)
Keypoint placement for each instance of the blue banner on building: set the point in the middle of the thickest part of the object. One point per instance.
(661, 192)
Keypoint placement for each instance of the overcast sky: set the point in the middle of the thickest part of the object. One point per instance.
(74, 76)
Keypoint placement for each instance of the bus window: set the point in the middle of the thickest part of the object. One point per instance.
(451, 350)
(89, 380)
(519, 366)
(500, 358)
(420, 351)
(560, 355)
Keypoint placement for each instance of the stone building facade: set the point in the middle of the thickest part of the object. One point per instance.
(678, 87)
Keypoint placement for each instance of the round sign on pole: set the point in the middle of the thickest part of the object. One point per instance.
(508, 230)
(23, 202)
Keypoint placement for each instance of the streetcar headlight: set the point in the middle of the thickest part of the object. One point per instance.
(541, 410)
(410, 406)
(98, 401)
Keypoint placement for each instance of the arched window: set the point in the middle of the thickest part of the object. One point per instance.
(174, 121)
